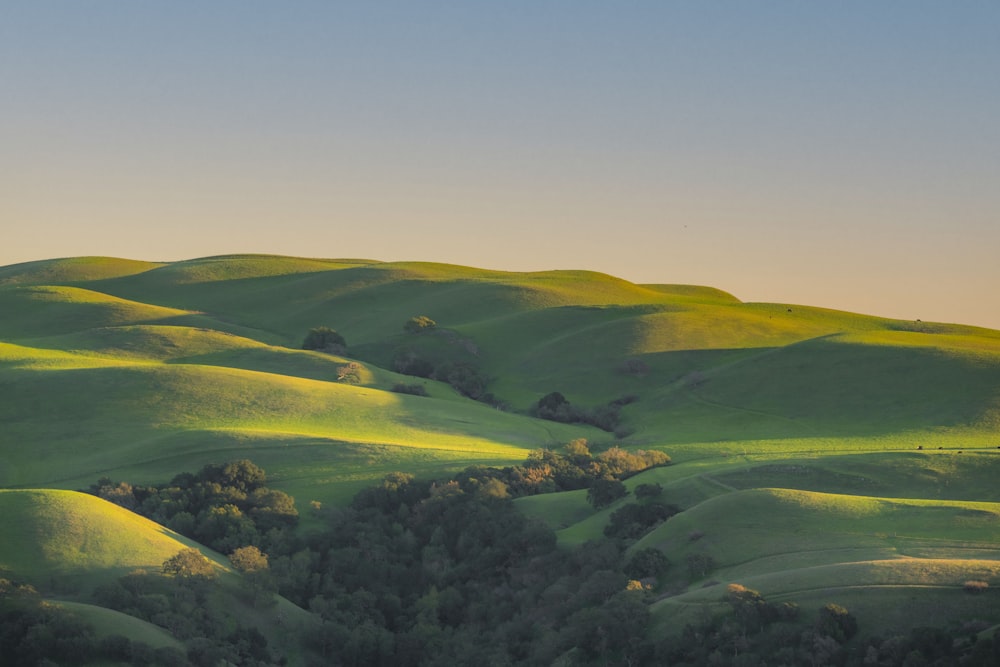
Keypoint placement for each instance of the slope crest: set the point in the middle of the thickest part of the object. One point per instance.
(71, 270)
(66, 533)
(47, 310)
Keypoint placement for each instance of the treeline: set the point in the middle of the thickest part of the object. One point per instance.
(555, 407)
(575, 467)
(223, 506)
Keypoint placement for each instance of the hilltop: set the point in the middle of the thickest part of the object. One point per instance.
(810, 447)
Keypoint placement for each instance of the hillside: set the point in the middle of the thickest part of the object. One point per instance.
(810, 447)
(76, 538)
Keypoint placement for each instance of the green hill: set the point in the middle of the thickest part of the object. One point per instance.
(811, 447)
(64, 538)
(155, 362)
(862, 552)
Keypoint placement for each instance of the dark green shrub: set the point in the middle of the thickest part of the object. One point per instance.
(324, 339)
(412, 389)
(603, 492)
(646, 563)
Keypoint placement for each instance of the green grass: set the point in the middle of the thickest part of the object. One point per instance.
(787, 541)
(71, 270)
(887, 597)
(65, 541)
(107, 622)
(794, 430)
(153, 420)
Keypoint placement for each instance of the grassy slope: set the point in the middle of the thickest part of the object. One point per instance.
(62, 538)
(169, 417)
(142, 370)
(862, 552)
(108, 622)
(66, 543)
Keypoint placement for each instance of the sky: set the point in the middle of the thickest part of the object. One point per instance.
(837, 154)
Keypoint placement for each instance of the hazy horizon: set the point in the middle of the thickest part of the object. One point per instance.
(842, 156)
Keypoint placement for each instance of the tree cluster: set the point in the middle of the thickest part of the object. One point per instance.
(549, 471)
(465, 376)
(634, 520)
(555, 407)
(415, 389)
(421, 573)
(223, 506)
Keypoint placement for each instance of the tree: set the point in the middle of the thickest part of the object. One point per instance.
(324, 339)
(188, 563)
(603, 492)
(418, 324)
(835, 621)
(646, 563)
(253, 565)
(749, 606)
(578, 451)
(243, 474)
(349, 373)
(634, 520)
(551, 402)
(271, 508)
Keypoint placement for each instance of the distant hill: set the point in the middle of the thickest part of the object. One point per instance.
(157, 363)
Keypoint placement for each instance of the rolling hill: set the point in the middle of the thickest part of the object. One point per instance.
(811, 447)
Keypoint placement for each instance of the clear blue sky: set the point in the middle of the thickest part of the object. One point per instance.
(837, 154)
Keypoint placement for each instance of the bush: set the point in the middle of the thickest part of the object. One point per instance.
(324, 339)
(412, 389)
(409, 362)
(418, 324)
(464, 377)
(644, 491)
(349, 373)
(975, 586)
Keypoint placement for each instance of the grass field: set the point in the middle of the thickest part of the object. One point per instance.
(818, 453)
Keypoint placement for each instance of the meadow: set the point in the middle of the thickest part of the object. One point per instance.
(817, 455)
